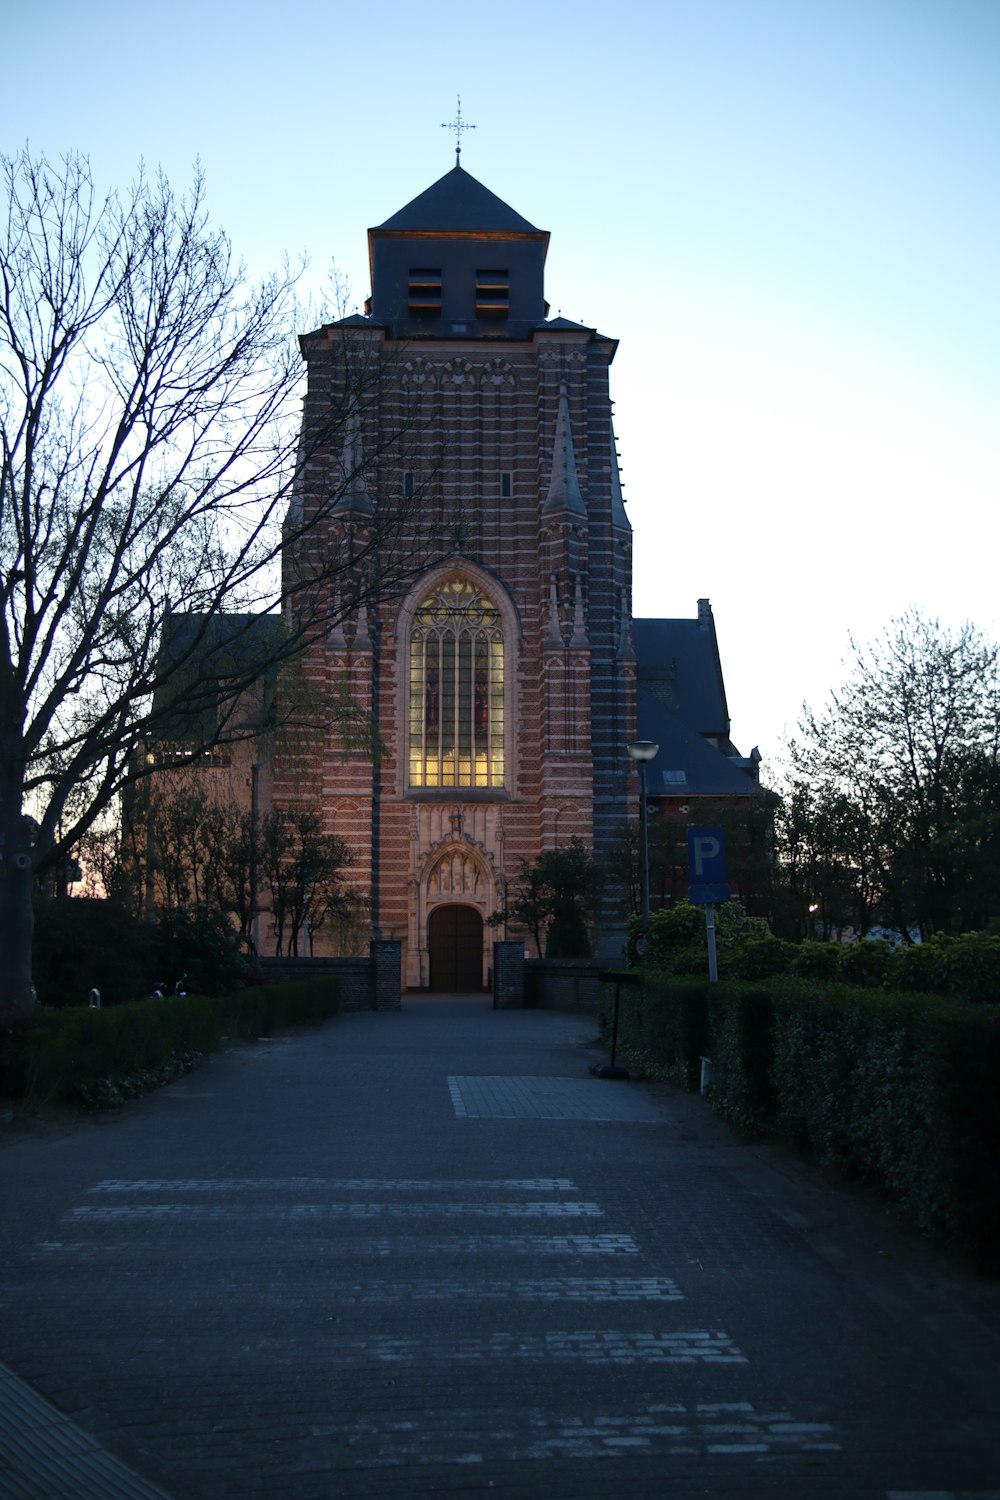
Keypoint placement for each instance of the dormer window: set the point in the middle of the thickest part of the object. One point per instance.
(425, 292)
(492, 294)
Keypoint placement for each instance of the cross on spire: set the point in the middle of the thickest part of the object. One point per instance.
(458, 125)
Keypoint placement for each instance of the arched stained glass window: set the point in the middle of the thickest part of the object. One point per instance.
(456, 689)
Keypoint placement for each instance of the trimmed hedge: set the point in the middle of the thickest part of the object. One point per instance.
(662, 1026)
(897, 1089)
(961, 968)
(100, 1058)
(291, 1002)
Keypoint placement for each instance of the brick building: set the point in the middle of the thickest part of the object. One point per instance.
(491, 640)
(500, 675)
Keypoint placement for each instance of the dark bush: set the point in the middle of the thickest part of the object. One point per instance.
(897, 1089)
(103, 1057)
(260, 1009)
(81, 943)
(740, 1047)
(662, 1026)
(199, 950)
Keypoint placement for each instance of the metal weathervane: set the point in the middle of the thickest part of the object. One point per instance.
(457, 125)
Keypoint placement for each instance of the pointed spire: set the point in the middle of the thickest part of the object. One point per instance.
(625, 632)
(618, 516)
(335, 635)
(579, 636)
(354, 500)
(564, 487)
(362, 639)
(293, 515)
(554, 634)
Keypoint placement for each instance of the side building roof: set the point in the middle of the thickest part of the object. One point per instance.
(201, 650)
(681, 706)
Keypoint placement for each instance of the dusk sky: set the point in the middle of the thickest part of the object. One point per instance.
(788, 214)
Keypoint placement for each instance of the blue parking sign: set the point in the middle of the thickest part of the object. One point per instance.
(706, 856)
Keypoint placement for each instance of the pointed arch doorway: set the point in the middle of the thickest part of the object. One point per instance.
(455, 948)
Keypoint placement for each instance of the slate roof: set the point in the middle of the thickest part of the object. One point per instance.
(234, 645)
(680, 700)
(458, 201)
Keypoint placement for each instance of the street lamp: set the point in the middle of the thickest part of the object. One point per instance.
(642, 751)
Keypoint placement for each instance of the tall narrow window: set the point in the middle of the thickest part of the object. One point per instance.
(456, 689)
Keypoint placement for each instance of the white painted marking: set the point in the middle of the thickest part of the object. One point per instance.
(193, 1212)
(597, 1346)
(659, 1430)
(335, 1184)
(317, 1249)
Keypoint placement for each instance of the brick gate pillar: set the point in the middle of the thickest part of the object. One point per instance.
(508, 975)
(387, 985)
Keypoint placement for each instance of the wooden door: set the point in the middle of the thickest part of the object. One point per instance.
(455, 944)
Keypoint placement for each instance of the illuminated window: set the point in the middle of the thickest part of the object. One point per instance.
(456, 689)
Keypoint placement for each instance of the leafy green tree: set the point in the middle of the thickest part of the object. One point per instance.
(556, 897)
(904, 771)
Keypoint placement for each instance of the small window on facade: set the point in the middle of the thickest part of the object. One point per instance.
(425, 292)
(407, 486)
(506, 486)
(492, 294)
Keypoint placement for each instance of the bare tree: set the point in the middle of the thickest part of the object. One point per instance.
(303, 867)
(150, 451)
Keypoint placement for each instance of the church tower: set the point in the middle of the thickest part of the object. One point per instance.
(496, 662)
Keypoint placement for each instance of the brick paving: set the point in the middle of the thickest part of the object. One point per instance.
(427, 1254)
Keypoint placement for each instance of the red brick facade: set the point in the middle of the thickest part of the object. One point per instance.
(509, 453)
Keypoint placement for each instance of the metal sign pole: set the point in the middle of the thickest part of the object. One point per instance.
(713, 965)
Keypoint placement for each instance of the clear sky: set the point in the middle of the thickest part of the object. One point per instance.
(788, 211)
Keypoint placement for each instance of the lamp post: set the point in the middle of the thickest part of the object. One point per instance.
(642, 751)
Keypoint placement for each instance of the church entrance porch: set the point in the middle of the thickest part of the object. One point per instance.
(455, 948)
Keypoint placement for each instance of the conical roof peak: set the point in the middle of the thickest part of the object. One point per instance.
(458, 201)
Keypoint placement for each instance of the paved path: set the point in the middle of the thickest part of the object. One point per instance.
(427, 1254)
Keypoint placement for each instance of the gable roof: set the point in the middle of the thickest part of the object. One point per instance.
(678, 663)
(680, 702)
(458, 201)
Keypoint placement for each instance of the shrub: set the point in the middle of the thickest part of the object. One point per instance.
(676, 940)
(740, 1047)
(260, 1009)
(201, 945)
(898, 1089)
(662, 1026)
(867, 963)
(103, 1057)
(80, 943)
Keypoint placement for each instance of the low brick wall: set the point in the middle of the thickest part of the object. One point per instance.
(563, 984)
(365, 983)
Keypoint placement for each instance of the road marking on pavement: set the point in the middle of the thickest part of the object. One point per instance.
(658, 1430)
(335, 1185)
(198, 1212)
(380, 1247)
(531, 1098)
(589, 1346)
(942, 1495)
(523, 1289)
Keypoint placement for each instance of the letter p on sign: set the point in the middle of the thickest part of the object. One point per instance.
(706, 855)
